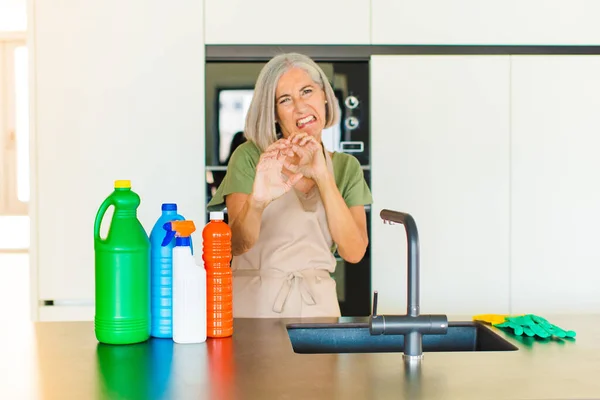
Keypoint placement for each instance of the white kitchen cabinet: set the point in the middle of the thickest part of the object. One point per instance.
(440, 152)
(118, 93)
(277, 22)
(494, 22)
(555, 197)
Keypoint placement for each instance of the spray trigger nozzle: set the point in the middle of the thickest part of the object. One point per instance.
(169, 236)
(177, 228)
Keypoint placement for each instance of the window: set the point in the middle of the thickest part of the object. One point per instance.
(14, 159)
(14, 129)
(234, 104)
(13, 15)
(14, 145)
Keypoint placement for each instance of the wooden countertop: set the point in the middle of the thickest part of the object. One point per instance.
(63, 360)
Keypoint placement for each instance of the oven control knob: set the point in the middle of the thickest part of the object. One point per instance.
(351, 123)
(351, 102)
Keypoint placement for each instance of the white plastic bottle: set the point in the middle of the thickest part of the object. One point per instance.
(189, 287)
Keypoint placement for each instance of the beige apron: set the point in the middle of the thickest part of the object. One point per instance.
(287, 271)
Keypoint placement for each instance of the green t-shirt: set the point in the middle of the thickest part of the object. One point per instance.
(349, 177)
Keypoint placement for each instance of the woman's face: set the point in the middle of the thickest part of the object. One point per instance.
(299, 104)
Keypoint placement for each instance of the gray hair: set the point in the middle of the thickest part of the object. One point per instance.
(260, 120)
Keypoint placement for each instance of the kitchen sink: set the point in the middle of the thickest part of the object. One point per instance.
(309, 338)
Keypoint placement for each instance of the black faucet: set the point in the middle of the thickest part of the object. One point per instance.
(412, 325)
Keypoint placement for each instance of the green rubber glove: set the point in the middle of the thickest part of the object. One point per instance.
(533, 325)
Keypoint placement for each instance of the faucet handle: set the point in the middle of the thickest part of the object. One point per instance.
(375, 295)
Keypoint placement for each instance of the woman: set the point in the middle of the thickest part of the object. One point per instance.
(290, 202)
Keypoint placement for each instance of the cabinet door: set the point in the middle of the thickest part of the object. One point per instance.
(440, 152)
(556, 189)
(277, 22)
(499, 22)
(122, 103)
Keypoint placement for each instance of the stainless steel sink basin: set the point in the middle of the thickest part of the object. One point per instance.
(356, 338)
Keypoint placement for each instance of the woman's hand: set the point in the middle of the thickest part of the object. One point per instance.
(308, 159)
(269, 182)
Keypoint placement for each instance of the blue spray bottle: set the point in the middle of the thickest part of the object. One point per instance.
(161, 274)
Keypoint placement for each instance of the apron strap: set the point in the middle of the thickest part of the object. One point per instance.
(286, 288)
(289, 278)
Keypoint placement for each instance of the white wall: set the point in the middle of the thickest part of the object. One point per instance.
(118, 93)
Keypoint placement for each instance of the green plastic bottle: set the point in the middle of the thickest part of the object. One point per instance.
(122, 264)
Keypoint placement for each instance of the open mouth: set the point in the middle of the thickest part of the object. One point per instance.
(301, 123)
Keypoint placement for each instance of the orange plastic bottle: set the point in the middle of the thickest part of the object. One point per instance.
(216, 254)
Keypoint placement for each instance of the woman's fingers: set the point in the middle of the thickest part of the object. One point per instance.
(292, 145)
(297, 136)
(271, 153)
(282, 157)
(306, 140)
(302, 139)
(280, 144)
(297, 149)
(268, 155)
(290, 165)
(292, 180)
(277, 148)
(303, 151)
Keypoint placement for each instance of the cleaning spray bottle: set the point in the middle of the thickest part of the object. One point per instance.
(189, 285)
(161, 274)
